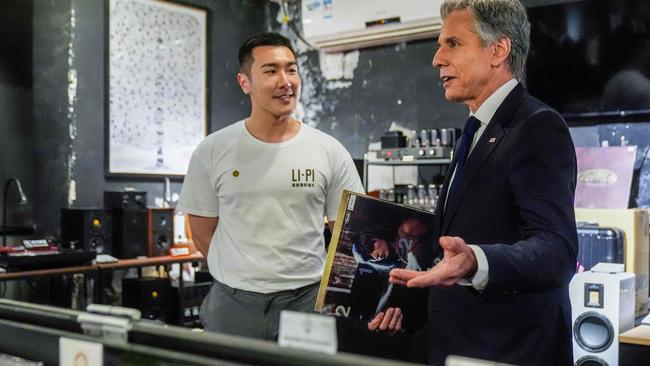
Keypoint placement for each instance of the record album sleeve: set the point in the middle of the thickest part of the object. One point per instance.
(604, 178)
(370, 238)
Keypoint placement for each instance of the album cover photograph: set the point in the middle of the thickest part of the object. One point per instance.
(370, 238)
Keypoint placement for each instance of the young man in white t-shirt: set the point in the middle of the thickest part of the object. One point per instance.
(257, 192)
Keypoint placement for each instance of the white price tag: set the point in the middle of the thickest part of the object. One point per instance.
(308, 331)
(74, 352)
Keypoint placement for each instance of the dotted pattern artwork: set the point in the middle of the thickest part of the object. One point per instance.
(157, 85)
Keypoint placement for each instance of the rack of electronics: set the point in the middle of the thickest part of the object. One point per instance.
(410, 168)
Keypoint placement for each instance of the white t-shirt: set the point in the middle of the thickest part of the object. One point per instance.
(270, 199)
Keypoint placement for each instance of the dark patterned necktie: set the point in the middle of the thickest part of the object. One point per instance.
(471, 126)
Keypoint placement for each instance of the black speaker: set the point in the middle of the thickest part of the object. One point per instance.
(203, 275)
(150, 295)
(129, 232)
(160, 231)
(87, 228)
(126, 199)
(187, 302)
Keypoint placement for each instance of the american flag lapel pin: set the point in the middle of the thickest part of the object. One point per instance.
(492, 140)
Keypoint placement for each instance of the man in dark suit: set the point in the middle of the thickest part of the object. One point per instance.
(504, 221)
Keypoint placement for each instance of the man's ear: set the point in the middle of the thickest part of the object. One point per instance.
(502, 48)
(244, 82)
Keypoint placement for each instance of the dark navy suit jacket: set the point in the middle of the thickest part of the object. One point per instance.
(515, 202)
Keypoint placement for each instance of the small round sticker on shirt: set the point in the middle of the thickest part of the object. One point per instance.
(235, 173)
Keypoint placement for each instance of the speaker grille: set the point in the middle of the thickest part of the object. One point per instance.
(129, 232)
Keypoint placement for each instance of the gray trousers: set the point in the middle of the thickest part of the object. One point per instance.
(252, 314)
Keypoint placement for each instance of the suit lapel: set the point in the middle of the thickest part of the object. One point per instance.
(442, 198)
(489, 140)
(475, 160)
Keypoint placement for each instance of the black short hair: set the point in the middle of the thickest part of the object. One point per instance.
(257, 40)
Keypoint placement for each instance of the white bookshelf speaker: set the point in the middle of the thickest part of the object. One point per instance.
(602, 303)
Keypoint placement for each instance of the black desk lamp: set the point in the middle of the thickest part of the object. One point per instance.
(22, 200)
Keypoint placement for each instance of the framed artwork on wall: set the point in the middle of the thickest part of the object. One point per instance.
(156, 87)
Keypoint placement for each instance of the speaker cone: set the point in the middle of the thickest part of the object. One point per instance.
(97, 244)
(162, 242)
(591, 361)
(593, 332)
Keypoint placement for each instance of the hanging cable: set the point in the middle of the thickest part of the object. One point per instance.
(288, 20)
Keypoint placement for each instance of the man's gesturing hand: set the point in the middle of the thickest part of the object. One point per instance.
(458, 262)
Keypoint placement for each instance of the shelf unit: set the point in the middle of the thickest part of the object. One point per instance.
(416, 162)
